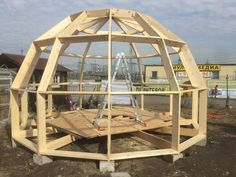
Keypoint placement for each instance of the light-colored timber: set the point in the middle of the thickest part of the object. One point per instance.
(88, 27)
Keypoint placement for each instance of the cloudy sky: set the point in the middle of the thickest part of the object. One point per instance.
(208, 26)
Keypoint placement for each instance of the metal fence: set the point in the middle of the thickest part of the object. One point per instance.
(6, 77)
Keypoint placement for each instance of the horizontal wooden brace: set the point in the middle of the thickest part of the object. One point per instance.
(159, 142)
(73, 154)
(45, 42)
(27, 143)
(188, 143)
(104, 37)
(73, 93)
(135, 38)
(33, 132)
(60, 142)
(88, 56)
(183, 131)
(98, 13)
(104, 93)
(141, 154)
(84, 38)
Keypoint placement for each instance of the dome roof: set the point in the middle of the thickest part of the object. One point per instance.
(111, 25)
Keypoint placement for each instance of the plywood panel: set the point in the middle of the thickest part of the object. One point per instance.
(80, 122)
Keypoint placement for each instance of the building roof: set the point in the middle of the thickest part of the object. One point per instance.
(222, 64)
(18, 59)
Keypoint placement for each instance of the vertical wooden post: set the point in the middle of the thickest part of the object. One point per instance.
(175, 121)
(82, 73)
(140, 73)
(24, 109)
(203, 112)
(41, 122)
(43, 86)
(171, 104)
(109, 87)
(195, 109)
(15, 114)
(50, 102)
(80, 85)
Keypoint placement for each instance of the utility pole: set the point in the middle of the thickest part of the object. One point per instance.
(227, 91)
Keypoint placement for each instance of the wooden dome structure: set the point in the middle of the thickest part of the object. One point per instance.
(87, 27)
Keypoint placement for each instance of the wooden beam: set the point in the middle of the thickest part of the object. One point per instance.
(176, 122)
(82, 73)
(195, 104)
(122, 13)
(27, 67)
(41, 123)
(73, 154)
(50, 66)
(133, 26)
(141, 154)
(15, 113)
(87, 25)
(27, 143)
(109, 101)
(171, 104)
(188, 143)
(161, 29)
(183, 131)
(34, 132)
(135, 38)
(168, 67)
(24, 109)
(191, 68)
(60, 142)
(145, 25)
(72, 92)
(98, 13)
(49, 102)
(43, 43)
(203, 95)
(88, 56)
(159, 142)
(72, 28)
(140, 72)
(52, 33)
(84, 38)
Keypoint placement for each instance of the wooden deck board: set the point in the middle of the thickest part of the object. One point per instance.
(80, 122)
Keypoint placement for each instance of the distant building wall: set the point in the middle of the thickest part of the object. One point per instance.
(214, 74)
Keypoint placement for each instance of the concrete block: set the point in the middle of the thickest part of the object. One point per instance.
(14, 143)
(173, 158)
(41, 160)
(202, 142)
(105, 166)
(120, 174)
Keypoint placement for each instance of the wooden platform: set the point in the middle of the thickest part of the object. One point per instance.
(80, 123)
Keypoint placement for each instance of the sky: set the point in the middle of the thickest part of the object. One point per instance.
(208, 26)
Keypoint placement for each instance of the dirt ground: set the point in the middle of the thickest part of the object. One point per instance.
(217, 159)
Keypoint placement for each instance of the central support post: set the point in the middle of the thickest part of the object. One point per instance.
(109, 87)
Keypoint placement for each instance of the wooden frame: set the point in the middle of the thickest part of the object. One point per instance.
(131, 25)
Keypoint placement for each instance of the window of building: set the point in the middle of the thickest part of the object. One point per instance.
(57, 78)
(215, 75)
(181, 74)
(206, 74)
(154, 75)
